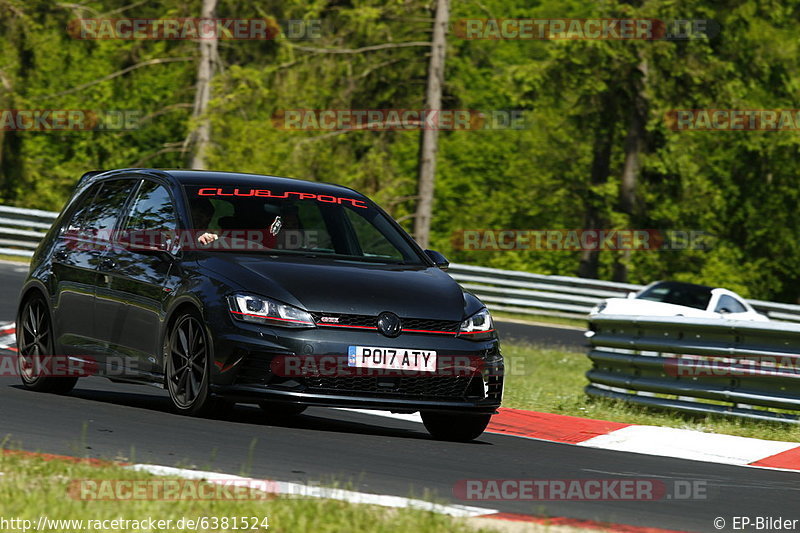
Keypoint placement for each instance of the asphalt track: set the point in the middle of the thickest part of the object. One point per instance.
(373, 454)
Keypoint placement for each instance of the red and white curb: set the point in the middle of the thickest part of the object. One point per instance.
(8, 337)
(648, 440)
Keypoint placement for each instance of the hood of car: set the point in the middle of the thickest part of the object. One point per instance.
(347, 287)
(636, 306)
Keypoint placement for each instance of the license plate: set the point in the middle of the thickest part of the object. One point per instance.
(391, 358)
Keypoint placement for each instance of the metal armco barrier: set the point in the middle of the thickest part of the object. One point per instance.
(727, 367)
(502, 290)
(22, 229)
(562, 296)
(538, 294)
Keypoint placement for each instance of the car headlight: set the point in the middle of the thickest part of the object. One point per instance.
(260, 310)
(598, 308)
(478, 327)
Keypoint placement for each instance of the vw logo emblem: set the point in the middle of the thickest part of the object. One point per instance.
(389, 324)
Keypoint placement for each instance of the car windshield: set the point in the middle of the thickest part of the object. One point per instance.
(684, 294)
(269, 221)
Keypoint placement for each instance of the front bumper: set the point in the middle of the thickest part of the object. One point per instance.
(247, 356)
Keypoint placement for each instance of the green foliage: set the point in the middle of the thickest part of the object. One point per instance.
(742, 187)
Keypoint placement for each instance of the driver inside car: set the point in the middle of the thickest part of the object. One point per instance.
(202, 214)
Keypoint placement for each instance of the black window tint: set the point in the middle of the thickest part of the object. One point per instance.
(75, 224)
(152, 209)
(372, 241)
(678, 294)
(731, 304)
(309, 216)
(101, 216)
(317, 225)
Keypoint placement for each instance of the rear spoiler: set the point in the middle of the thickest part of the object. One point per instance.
(88, 175)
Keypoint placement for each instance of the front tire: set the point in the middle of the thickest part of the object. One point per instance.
(455, 427)
(188, 366)
(35, 345)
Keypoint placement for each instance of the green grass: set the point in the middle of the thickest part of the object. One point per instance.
(31, 487)
(552, 381)
(564, 321)
(15, 258)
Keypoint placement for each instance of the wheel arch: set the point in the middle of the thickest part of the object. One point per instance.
(183, 304)
(31, 290)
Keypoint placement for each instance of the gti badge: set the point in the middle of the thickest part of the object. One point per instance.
(389, 324)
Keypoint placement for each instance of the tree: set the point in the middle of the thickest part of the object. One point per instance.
(430, 136)
(201, 135)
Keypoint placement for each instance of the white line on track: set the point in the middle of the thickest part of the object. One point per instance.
(310, 491)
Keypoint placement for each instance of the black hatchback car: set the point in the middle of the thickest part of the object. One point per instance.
(226, 287)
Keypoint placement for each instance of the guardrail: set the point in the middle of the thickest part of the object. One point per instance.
(537, 294)
(727, 367)
(22, 229)
(502, 290)
(562, 296)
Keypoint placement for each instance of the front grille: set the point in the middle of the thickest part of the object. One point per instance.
(411, 325)
(363, 321)
(255, 369)
(423, 324)
(417, 387)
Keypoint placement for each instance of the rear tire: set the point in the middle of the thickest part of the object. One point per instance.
(188, 372)
(455, 427)
(35, 345)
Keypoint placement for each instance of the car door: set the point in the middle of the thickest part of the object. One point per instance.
(134, 274)
(76, 257)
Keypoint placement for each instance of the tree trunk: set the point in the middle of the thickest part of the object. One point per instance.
(430, 136)
(201, 136)
(634, 142)
(601, 169)
(634, 146)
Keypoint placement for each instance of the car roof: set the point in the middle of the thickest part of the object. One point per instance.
(223, 179)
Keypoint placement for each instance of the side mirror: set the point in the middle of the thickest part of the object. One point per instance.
(438, 259)
(631, 295)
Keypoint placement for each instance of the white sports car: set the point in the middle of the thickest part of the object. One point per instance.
(674, 298)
